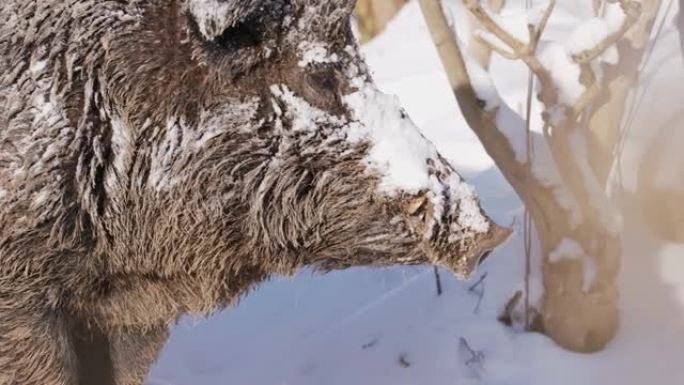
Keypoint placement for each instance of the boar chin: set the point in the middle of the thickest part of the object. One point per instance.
(481, 249)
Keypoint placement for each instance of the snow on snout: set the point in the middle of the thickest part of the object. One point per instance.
(406, 161)
(402, 155)
(315, 53)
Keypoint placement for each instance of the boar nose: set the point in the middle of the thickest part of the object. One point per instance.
(482, 249)
(498, 236)
(462, 262)
(494, 238)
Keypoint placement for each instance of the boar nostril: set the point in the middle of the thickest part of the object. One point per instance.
(484, 256)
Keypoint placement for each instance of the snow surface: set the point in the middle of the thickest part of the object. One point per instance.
(380, 327)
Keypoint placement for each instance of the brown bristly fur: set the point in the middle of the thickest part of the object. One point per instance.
(147, 171)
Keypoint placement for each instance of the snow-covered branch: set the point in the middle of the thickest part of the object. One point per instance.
(631, 10)
(568, 85)
(556, 181)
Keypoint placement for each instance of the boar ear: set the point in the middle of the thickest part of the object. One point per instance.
(215, 16)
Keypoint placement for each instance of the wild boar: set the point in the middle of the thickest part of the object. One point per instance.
(162, 157)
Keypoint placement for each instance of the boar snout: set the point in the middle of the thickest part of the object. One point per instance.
(484, 256)
(497, 236)
(446, 247)
(481, 248)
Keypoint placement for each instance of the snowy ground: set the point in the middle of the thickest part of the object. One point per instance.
(382, 327)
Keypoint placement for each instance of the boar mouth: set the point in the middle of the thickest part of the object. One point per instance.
(483, 257)
(482, 251)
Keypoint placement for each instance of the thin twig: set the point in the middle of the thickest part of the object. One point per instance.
(527, 221)
(438, 281)
(520, 50)
(515, 55)
(480, 297)
(403, 360)
(476, 357)
(539, 30)
(480, 293)
(492, 26)
(477, 283)
(639, 97)
(506, 316)
(585, 100)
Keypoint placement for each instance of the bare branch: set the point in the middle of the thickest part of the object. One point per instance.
(586, 98)
(632, 10)
(680, 25)
(506, 54)
(492, 26)
(479, 282)
(506, 316)
(483, 123)
(539, 30)
(520, 50)
(527, 52)
(482, 53)
(450, 52)
(480, 293)
(476, 357)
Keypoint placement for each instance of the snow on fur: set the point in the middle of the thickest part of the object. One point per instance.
(315, 53)
(401, 153)
(214, 16)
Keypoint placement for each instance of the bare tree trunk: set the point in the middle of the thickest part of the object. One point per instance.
(477, 50)
(680, 25)
(578, 314)
(660, 203)
(374, 15)
(610, 106)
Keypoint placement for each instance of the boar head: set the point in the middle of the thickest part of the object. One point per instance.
(251, 130)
